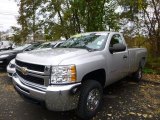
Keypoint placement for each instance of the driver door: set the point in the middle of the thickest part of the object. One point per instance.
(118, 61)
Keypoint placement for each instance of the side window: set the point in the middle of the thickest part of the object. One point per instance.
(115, 39)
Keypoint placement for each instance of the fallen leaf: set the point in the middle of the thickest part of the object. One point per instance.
(139, 114)
(109, 115)
(132, 113)
(145, 115)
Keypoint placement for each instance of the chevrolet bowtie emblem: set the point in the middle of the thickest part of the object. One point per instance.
(24, 70)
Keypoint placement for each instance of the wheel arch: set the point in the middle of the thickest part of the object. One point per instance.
(98, 75)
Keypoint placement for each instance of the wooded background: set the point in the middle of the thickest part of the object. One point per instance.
(138, 20)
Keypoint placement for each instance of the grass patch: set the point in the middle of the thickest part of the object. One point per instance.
(152, 65)
(151, 71)
(153, 62)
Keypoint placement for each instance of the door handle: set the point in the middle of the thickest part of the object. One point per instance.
(125, 56)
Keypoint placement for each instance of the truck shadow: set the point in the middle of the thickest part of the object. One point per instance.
(119, 86)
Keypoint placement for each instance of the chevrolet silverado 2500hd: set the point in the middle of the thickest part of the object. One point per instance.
(73, 75)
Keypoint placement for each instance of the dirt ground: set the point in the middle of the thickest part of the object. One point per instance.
(124, 100)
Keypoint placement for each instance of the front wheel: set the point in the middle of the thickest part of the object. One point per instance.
(90, 99)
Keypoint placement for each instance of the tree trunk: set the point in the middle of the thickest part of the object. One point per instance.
(62, 23)
(34, 17)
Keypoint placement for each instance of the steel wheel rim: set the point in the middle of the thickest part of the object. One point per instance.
(93, 100)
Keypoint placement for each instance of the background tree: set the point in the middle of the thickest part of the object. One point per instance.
(22, 20)
(63, 18)
(151, 14)
(28, 18)
(144, 19)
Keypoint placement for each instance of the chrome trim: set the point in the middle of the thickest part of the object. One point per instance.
(31, 84)
(42, 75)
(32, 71)
(93, 100)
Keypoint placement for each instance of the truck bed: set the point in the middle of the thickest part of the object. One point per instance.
(136, 55)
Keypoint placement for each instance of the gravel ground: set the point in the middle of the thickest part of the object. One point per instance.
(124, 100)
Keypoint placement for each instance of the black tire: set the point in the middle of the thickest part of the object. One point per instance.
(138, 74)
(88, 88)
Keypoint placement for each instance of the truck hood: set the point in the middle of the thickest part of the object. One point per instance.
(50, 56)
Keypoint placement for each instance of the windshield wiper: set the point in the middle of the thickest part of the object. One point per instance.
(89, 49)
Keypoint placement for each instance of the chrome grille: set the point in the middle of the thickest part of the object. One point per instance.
(38, 68)
(30, 78)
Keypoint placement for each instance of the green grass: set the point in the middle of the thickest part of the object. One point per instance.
(151, 71)
(153, 62)
(152, 66)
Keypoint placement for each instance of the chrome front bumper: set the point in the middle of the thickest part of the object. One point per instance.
(55, 97)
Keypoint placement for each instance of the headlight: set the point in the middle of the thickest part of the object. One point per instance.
(63, 74)
(3, 56)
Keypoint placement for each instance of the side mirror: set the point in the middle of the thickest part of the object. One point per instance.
(119, 47)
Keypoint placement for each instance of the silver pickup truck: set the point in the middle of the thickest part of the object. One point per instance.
(73, 75)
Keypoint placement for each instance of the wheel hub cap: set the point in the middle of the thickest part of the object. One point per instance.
(139, 74)
(93, 99)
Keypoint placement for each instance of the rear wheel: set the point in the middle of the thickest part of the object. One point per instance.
(138, 74)
(90, 99)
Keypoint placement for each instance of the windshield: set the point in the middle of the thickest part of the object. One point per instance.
(33, 47)
(90, 42)
(44, 45)
(22, 47)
